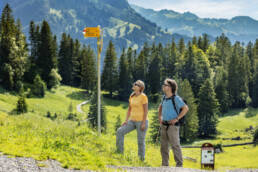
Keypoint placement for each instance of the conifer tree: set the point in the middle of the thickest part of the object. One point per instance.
(110, 75)
(65, 59)
(93, 114)
(88, 72)
(181, 46)
(207, 110)
(155, 71)
(130, 60)
(22, 105)
(55, 79)
(39, 87)
(77, 68)
(255, 86)
(206, 43)
(223, 49)
(190, 130)
(125, 78)
(220, 84)
(31, 68)
(238, 77)
(195, 68)
(47, 59)
(13, 50)
(155, 129)
(118, 122)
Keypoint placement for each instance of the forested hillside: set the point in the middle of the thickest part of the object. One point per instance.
(120, 23)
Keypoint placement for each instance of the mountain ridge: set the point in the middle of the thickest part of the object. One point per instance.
(239, 28)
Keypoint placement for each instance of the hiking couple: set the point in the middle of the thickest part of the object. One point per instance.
(137, 118)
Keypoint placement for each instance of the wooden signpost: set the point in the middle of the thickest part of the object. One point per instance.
(96, 32)
(207, 156)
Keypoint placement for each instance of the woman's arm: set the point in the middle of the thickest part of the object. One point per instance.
(127, 115)
(145, 110)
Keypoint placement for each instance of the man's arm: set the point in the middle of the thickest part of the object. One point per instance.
(160, 114)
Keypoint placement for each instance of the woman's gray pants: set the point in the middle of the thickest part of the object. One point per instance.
(131, 125)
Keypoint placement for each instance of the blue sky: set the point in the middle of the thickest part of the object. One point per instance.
(205, 8)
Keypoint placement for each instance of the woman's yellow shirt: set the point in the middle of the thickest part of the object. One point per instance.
(136, 103)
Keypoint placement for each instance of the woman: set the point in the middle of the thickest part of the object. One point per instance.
(137, 113)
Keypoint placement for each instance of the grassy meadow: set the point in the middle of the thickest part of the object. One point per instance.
(77, 146)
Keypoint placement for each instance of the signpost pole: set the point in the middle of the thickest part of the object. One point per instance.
(96, 32)
(99, 105)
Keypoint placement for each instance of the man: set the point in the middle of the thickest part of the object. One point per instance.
(168, 119)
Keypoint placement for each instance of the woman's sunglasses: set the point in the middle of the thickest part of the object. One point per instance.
(136, 84)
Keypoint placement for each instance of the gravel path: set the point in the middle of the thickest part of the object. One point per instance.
(20, 164)
(79, 106)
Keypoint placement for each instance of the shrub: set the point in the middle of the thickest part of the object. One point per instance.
(22, 106)
(39, 87)
(256, 137)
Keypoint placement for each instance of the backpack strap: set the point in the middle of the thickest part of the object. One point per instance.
(163, 98)
(174, 104)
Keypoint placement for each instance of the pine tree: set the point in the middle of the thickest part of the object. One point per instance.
(173, 60)
(206, 43)
(22, 106)
(31, 68)
(70, 108)
(221, 83)
(118, 122)
(125, 78)
(190, 130)
(88, 73)
(47, 59)
(255, 86)
(155, 129)
(109, 76)
(195, 68)
(181, 46)
(93, 115)
(13, 50)
(39, 87)
(130, 61)
(223, 50)
(238, 77)
(77, 68)
(55, 79)
(207, 110)
(65, 59)
(155, 72)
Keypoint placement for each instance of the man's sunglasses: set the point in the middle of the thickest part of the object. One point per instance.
(136, 84)
(166, 85)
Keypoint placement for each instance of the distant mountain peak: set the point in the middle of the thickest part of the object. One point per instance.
(239, 28)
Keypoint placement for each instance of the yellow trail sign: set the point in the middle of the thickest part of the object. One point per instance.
(91, 32)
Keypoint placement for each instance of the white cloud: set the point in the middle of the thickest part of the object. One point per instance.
(205, 8)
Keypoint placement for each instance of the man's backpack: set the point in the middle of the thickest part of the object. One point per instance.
(181, 121)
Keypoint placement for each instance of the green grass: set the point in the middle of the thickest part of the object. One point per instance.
(79, 147)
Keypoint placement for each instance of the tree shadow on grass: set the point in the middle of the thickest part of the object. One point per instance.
(116, 103)
(232, 112)
(79, 95)
(7, 92)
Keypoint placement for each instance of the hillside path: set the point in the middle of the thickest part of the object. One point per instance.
(79, 106)
(21, 164)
